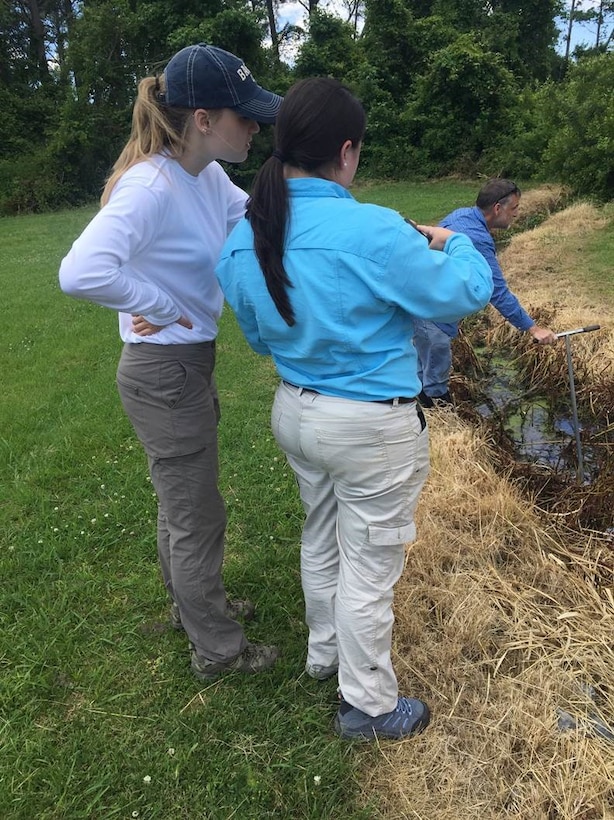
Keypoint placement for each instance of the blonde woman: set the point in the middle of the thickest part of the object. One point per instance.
(150, 253)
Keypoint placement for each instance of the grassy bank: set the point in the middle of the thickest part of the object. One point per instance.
(100, 715)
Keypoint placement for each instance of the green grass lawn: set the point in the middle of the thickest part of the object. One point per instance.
(100, 716)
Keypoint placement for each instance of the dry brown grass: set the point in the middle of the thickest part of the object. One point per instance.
(541, 201)
(541, 267)
(500, 623)
(504, 616)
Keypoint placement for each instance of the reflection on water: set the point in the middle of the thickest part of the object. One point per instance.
(540, 427)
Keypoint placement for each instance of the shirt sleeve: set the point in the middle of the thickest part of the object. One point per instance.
(98, 266)
(506, 302)
(230, 282)
(438, 286)
(246, 318)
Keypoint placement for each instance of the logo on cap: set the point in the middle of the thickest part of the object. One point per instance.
(243, 72)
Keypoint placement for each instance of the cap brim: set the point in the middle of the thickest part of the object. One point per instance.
(263, 106)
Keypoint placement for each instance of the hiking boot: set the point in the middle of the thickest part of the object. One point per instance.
(317, 672)
(254, 658)
(409, 718)
(444, 400)
(235, 609)
(425, 401)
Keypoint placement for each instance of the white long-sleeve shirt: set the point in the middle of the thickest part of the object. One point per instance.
(152, 249)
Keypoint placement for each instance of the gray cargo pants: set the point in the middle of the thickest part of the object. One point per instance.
(168, 392)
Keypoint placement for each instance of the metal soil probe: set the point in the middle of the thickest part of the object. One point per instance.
(572, 389)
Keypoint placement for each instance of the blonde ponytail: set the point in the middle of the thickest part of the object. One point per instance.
(155, 128)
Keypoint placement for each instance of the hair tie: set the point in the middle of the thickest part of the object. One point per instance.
(278, 155)
(160, 96)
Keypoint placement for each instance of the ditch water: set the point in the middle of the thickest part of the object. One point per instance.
(539, 427)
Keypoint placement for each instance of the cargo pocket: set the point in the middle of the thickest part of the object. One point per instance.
(383, 556)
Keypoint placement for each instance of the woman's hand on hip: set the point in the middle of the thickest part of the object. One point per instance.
(142, 327)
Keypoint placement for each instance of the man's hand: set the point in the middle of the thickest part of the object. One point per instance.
(142, 327)
(542, 335)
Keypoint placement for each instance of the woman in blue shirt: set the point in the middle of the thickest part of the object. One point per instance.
(329, 288)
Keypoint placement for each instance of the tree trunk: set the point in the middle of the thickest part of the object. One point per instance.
(572, 9)
(599, 24)
(37, 39)
(273, 28)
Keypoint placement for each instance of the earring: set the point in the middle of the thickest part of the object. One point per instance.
(345, 165)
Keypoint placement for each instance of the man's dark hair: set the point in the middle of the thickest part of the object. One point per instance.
(495, 190)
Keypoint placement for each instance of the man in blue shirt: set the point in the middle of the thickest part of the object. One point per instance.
(496, 207)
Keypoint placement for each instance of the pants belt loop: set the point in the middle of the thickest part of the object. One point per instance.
(395, 402)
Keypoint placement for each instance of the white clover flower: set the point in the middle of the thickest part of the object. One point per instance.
(135, 813)
(147, 779)
(171, 751)
(317, 779)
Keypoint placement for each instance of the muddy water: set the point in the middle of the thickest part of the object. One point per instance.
(539, 427)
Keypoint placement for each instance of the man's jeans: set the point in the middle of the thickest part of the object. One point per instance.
(360, 467)
(434, 349)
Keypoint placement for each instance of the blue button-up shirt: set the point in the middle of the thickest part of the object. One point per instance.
(359, 274)
(471, 222)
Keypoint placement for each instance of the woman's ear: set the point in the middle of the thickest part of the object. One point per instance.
(343, 159)
(202, 120)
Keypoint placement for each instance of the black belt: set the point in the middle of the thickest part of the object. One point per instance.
(397, 400)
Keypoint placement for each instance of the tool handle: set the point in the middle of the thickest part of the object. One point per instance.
(586, 329)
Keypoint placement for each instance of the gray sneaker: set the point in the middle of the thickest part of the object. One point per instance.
(254, 658)
(318, 672)
(409, 718)
(237, 609)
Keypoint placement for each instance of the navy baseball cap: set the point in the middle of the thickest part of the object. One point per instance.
(203, 76)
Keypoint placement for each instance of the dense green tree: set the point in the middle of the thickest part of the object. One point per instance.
(465, 96)
(523, 32)
(391, 45)
(580, 115)
(448, 85)
(330, 51)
